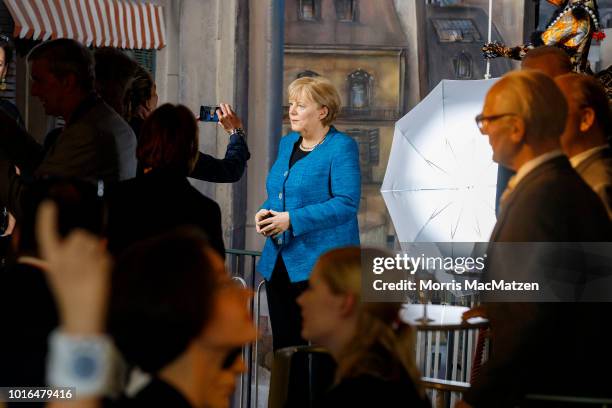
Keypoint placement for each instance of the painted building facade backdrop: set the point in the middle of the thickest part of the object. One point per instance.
(360, 47)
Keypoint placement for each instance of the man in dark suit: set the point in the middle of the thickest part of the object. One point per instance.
(585, 140)
(96, 142)
(546, 201)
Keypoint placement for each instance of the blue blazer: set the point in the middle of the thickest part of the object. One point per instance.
(321, 192)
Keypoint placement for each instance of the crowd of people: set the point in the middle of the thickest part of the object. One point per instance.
(115, 281)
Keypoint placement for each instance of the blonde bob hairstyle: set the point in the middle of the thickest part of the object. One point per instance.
(378, 325)
(320, 91)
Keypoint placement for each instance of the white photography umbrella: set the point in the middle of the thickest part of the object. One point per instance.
(440, 180)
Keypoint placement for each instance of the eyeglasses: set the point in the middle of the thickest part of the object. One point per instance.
(481, 119)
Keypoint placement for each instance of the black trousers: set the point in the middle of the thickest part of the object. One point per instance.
(285, 314)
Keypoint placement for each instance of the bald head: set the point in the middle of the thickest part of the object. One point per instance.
(552, 61)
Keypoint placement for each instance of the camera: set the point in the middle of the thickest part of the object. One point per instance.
(209, 114)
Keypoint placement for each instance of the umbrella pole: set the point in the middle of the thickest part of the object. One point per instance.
(488, 73)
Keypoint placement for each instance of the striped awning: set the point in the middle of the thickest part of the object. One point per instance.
(102, 23)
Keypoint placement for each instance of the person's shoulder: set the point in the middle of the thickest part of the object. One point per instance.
(557, 196)
(124, 194)
(599, 165)
(370, 380)
(341, 140)
(103, 116)
(155, 394)
(126, 186)
(289, 139)
(84, 129)
(11, 110)
(100, 121)
(101, 107)
(555, 175)
(202, 200)
(370, 390)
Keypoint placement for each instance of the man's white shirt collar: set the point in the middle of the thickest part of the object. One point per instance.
(580, 157)
(528, 167)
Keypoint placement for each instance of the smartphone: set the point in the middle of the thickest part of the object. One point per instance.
(209, 114)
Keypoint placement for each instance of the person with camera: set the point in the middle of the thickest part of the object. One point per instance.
(230, 168)
(313, 190)
(161, 198)
(141, 101)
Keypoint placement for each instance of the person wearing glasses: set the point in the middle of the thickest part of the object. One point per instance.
(552, 61)
(524, 115)
(313, 190)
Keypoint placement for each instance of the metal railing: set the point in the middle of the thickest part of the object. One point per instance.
(242, 267)
(445, 359)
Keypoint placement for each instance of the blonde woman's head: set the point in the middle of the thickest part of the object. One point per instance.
(320, 92)
(333, 303)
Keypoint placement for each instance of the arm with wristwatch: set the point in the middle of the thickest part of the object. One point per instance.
(231, 168)
(81, 355)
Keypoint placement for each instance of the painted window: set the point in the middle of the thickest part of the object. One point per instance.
(462, 64)
(309, 10)
(456, 30)
(346, 10)
(360, 89)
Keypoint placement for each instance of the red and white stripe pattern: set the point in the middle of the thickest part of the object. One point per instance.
(101, 23)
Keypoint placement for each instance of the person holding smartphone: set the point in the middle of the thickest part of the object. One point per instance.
(231, 167)
(142, 100)
(313, 190)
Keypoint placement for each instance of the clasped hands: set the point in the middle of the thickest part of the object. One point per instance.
(270, 223)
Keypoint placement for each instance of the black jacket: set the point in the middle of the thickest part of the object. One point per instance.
(544, 348)
(226, 170)
(365, 391)
(158, 202)
(156, 394)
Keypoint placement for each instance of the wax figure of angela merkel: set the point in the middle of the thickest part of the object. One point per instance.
(313, 191)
